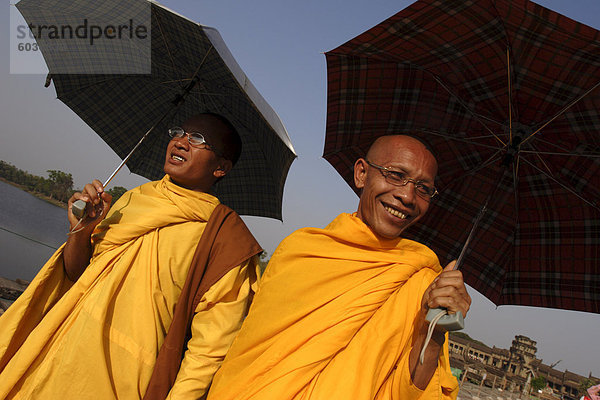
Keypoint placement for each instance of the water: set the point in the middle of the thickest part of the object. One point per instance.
(30, 231)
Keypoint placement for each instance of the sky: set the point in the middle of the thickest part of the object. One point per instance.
(280, 44)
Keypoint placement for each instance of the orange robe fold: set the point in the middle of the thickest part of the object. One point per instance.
(98, 338)
(334, 318)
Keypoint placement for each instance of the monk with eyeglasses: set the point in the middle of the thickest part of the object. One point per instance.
(145, 297)
(340, 312)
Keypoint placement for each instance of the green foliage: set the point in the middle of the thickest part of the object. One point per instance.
(61, 187)
(116, 192)
(585, 384)
(538, 383)
(58, 185)
(263, 261)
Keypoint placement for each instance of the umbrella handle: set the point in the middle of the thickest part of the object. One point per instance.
(440, 317)
(78, 208)
(449, 322)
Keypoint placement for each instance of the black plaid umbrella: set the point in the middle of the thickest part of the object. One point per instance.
(508, 95)
(122, 85)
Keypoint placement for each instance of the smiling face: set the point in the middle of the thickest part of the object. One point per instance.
(196, 168)
(387, 209)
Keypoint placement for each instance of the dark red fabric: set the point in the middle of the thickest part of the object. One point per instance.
(468, 77)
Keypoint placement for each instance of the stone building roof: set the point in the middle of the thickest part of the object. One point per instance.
(500, 352)
(459, 339)
(480, 346)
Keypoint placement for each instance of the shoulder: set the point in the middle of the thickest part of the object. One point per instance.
(227, 217)
(231, 227)
(304, 235)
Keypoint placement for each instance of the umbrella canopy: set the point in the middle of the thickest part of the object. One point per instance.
(122, 91)
(507, 93)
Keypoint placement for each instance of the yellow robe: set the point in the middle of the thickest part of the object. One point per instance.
(333, 318)
(99, 337)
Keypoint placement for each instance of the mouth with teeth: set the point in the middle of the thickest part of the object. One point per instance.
(177, 158)
(395, 212)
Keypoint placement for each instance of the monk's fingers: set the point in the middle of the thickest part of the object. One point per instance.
(450, 298)
(102, 197)
(449, 278)
(93, 190)
(103, 208)
(77, 196)
(70, 216)
(447, 291)
(93, 194)
(106, 197)
(450, 266)
(451, 304)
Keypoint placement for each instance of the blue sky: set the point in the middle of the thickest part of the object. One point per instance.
(280, 45)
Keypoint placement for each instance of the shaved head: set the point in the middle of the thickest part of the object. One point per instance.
(223, 136)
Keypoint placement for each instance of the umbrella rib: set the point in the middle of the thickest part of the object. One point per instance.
(552, 153)
(571, 104)
(188, 80)
(478, 117)
(542, 140)
(172, 60)
(475, 115)
(491, 159)
(89, 85)
(543, 163)
(473, 171)
(458, 139)
(591, 203)
(164, 39)
(565, 152)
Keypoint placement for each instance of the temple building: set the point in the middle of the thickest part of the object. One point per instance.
(511, 369)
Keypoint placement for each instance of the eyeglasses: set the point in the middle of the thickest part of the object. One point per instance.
(196, 139)
(398, 178)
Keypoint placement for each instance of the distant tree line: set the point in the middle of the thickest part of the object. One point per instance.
(58, 186)
(263, 260)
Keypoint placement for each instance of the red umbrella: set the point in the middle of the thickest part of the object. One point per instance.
(507, 93)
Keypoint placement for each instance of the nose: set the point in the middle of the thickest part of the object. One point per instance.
(406, 194)
(182, 142)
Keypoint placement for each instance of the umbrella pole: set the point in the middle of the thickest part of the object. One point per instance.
(111, 176)
(439, 316)
(482, 211)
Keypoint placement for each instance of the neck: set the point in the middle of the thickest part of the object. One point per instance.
(196, 188)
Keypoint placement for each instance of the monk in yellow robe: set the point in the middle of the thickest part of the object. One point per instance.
(92, 323)
(340, 312)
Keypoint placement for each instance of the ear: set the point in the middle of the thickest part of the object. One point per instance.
(360, 173)
(223, 168)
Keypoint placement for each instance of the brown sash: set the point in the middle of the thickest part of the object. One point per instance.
(225, 243)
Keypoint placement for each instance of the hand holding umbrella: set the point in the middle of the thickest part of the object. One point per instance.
(94, 194)
(447, 302)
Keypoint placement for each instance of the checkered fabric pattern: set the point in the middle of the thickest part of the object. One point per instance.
(440, 70)
(121, 109)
